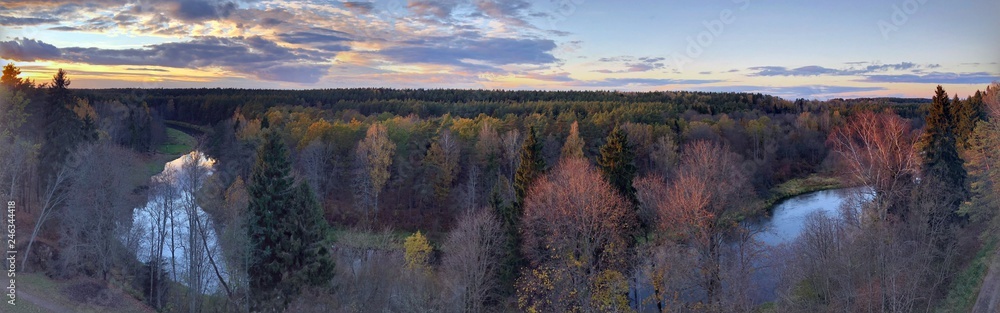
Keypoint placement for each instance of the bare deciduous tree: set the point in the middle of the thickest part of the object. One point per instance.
(471, 261)
(877, 151)
(100, 214)
(701, 206)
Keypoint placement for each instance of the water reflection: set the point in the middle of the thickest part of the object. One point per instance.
(167, 220)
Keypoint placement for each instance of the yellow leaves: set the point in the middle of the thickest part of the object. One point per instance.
(320, 129)
(609, 292)
(417, 252)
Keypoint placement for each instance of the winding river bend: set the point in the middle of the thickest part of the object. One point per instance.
(164, 225)
(788, 217)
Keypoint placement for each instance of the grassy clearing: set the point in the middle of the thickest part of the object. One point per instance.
(965, 288)
(795, 187)
(178, 143)
(58, 293)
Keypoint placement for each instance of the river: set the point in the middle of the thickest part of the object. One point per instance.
(772, 233)
(787, 217)
(164, 223)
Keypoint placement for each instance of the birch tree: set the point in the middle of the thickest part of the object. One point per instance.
(372, 159)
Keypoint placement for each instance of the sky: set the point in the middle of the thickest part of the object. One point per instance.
(793, 49)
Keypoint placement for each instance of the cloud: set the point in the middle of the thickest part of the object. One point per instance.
(791, 92)
(935, 78)
(816, 70)
(510, 11)
(438, 8)
(459, 52)
(632, 64)
(305, 37)
(201, 10)
(64, 28)
(362, 7)
(254, 56)
(782, 71)
(146, 69)
(25, 21)
(625, 82)
(24, 49)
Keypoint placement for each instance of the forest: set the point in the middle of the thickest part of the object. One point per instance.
(451, 200)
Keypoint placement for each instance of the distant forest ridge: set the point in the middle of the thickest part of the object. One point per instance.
(211, 105)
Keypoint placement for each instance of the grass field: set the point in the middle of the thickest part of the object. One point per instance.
(177, 144)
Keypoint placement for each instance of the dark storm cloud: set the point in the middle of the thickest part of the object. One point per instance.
(24, 49)
(494, 51)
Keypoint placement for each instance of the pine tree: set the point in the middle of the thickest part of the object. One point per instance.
(617, 163)
(286, 230)
(943, 168)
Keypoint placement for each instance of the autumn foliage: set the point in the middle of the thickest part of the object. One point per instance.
(574, 230)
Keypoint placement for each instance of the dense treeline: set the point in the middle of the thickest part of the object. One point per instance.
(516, 200)
(210, 106)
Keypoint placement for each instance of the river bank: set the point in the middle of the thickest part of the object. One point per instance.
(793, 188)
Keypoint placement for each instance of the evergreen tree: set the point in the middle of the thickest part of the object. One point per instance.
(943, 168)
(63, 128)
(286, 230)
(532, 165)
(967, 114)
(11, 80)
(269, 193)
(617, 163)
(304, 231)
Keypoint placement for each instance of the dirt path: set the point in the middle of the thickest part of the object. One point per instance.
(42, 302)
(989, 294)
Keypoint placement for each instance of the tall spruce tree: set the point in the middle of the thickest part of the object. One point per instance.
(304, 231)
(617, 163)
(269, 190)
(967, 114)
(286, 231)
(942, 166)
(531, 167)
(64, 130)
